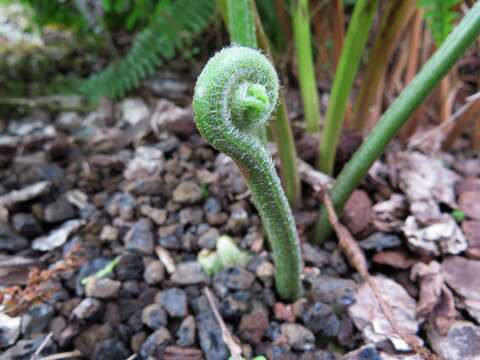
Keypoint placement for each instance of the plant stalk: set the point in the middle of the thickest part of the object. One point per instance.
(463, 35)
(347, 68)
(306, 71)
(397, 13)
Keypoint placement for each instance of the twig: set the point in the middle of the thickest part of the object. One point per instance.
(132, 357)
(64, 355)
(357, 259)
(42, 346)
(235, 350)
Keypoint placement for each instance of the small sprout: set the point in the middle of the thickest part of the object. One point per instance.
(458, 215)
(104, 272)
(227, 255)
(210, 261)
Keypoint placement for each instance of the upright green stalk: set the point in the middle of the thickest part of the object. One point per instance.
(350, 58)
(306, 70)
(242, 23)
(396, 14)
(235, 94)
(398, 113)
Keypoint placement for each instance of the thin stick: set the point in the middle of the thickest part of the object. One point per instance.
(235, 349)
(42, 346)
(64, 355)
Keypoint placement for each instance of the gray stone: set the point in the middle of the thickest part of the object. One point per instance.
(192, 216)
(154, 272)
(140, 237)
(332, 290)
(208, 240)
(186, 332)
(130, 266)
(235, 278)
(187, 192)
(103, 288)
(298, 337)
(88, 309)
(86, 340)
(59, 210)
(37, 318)
(26, 225)
(174, 301)
(24, 349)
(123, 205)
(154, 316)
(189, 273)
(10, 241)
(110, 349)
(155, 344)
(9, 330)
(380, 241)
(210, 337)
(320, 318)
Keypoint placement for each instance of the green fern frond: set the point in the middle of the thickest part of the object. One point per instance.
(440, 17)
(181, 20)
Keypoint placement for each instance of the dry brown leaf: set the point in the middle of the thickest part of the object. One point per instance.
(435, 300)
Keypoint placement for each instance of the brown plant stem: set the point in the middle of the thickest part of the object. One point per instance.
(397, 13)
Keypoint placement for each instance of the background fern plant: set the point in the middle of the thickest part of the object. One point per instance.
(440, 17)
(152, 46)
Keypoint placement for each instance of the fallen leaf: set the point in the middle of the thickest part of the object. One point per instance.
(436, 300)
(369, 318)
(442, 237)
(28, 193)
(357, 213)
(426, 182)
(462, 275)
(462, 342)
(58, 236)
(388, 215)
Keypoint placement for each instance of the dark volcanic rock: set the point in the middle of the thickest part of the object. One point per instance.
(110, 349)
(155, 344)
(10, 241)
(154, 316)
(24, 349)
(130, 266)
(26, 225)
(253, 326)
(140, 237)
(320, 318)
(59, 210)
(189, 273)
(174, 301)
(210, 337)
(154, 273)
(37, 318)
(186, 332)
(235, 278)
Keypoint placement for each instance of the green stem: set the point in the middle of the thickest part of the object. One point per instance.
(242, 25)
(282, 133)
(236, 93)
(306, 70)
(355, 41)
(398, 113)
(396, 14)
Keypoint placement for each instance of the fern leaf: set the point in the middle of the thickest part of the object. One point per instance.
(440, 17)
(152, 46)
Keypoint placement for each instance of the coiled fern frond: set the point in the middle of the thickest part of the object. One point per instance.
(152, 46)
(440, 17)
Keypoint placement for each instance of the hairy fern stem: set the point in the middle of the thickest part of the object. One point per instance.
(236, 94)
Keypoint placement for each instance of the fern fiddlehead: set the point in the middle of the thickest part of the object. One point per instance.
(234, 95)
